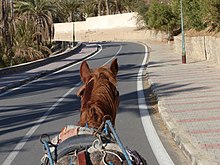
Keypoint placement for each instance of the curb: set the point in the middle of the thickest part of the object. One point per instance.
(44, 73)
(179, 136)
(37, 63)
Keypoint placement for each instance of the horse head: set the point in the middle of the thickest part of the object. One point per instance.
(99, 95)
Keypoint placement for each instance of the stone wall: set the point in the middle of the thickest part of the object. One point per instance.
(123, 27)
(107, 22)
(212, 48)
(66, 31)
(120, 34)
(105, 28)
(63, 31)
(200, 48)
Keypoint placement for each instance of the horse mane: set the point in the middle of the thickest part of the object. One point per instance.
(99, 95)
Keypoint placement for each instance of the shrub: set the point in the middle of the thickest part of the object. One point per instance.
(165, 15)
(211, 14)
(199, 14)
(161, 17)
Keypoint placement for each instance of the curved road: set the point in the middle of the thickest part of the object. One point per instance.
(48, 104)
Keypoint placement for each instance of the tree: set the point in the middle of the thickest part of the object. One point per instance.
(211, 14)
(116, 7)
(40, 12)
(90, 8)
(107, 7)
(7, 29)
(24, 43)
(160, 16)
(194, 12)
(142, 10)
(71, 8)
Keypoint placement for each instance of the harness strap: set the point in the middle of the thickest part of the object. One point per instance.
(119, 142)
(48, 152)
(81, 158)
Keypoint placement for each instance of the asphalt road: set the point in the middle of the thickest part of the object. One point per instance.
(48, 104)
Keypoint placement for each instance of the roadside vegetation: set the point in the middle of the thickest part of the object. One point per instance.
(26, 26)
(164, 15)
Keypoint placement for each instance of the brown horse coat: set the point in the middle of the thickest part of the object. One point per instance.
(99, 95)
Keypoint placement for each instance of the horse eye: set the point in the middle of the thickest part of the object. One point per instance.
(81, 93)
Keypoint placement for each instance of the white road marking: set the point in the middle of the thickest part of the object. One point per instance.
(159, 151)
(14, 89)
(114, 55)
(31, 131)
(77, 62)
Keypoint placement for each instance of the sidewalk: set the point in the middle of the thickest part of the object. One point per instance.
(189, 102)
(9, 81)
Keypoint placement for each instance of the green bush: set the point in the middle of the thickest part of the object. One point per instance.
(165, 16)
(160, 16)
(191, 11)
(142, 10)
(211, 14)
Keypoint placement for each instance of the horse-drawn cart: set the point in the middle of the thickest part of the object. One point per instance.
(85, 146)
(94, 141)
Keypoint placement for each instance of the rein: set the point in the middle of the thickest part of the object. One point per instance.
(108, 129)
(108, 122)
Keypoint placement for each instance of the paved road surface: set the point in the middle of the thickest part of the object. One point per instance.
(23, 108)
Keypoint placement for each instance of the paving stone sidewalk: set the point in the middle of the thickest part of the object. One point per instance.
(189, 101)
(9, 81)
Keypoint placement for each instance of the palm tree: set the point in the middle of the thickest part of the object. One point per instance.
(40, 12)
(24, 43)
(119, 6)
(107, 7)
(103, 7)
(72, 9)
(127, 5)
(116, 6)
(99, 2)
(6, 31)
(89, 8)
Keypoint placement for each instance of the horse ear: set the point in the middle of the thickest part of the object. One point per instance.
(114, 67)
(85, 72)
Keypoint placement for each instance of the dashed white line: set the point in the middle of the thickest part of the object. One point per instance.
(31, 131)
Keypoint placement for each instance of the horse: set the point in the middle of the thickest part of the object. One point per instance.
(93, 141)
(99, 94)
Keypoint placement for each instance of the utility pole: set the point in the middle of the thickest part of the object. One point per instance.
(183, 36)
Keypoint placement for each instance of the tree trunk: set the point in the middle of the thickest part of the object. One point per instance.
(107, 7)
(38, 29)
(6, 27)
(70, 18)
(99, 7)
(116, 7)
